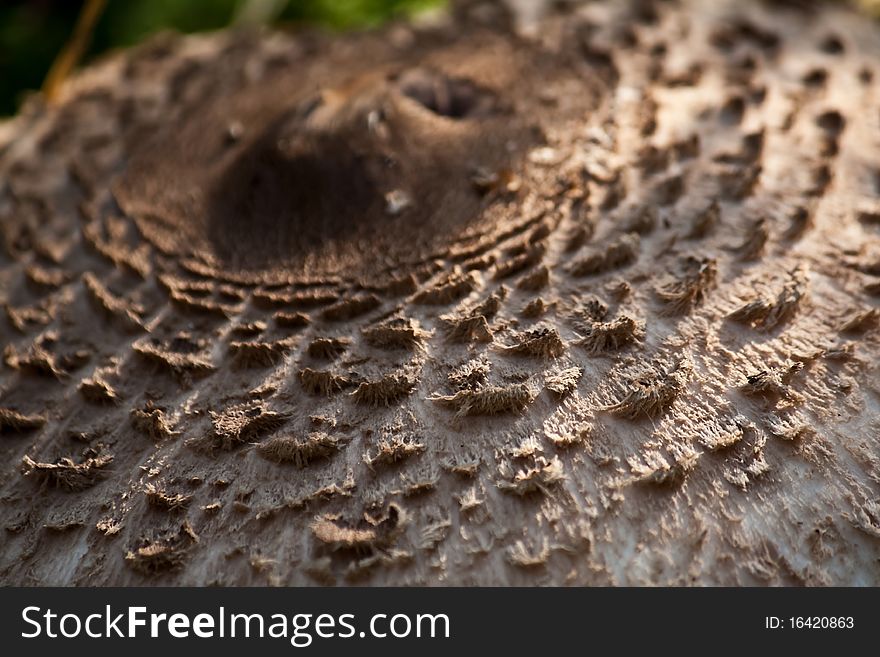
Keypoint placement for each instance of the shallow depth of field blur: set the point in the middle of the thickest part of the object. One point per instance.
(33, 32)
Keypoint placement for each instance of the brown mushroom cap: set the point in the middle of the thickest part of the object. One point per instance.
(585, 297)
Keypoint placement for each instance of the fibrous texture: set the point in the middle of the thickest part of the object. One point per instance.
(556, 297)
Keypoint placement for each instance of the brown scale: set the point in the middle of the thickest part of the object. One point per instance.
(449, 303)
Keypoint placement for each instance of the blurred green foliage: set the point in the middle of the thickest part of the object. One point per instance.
(32, 32)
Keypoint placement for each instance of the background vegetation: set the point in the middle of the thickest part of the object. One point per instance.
(33, 32)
